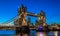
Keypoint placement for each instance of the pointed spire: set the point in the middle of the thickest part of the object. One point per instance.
(22, 6)
(42, 12)
(22, 9)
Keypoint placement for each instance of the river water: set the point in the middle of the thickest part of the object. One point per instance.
(32, 33)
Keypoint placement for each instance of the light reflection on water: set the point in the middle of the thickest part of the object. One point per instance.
(40, 34)
(32, 33)
(51, 33)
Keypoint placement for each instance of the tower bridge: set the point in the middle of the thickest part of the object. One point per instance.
(22, 9)
(20, 19)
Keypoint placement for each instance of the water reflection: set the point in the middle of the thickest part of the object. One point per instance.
(40, 34)
(25, 35)
(34, 33)
(51, 33)
(56, 33)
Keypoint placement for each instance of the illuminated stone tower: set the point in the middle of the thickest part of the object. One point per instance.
(41, 18)
(22, 16)
(22, 21)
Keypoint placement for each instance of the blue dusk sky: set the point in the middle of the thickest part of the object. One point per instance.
(9, 9)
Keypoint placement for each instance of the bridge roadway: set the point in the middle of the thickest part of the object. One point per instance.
(32, 14)
(12, 27)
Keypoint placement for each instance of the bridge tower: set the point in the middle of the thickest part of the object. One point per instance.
(22, 16)
(22, 19)
(41, 18)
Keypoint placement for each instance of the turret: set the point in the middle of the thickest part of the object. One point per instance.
(22, 16)
(21, 9)
(41, 18)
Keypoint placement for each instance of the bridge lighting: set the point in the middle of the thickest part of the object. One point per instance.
(39, 18)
